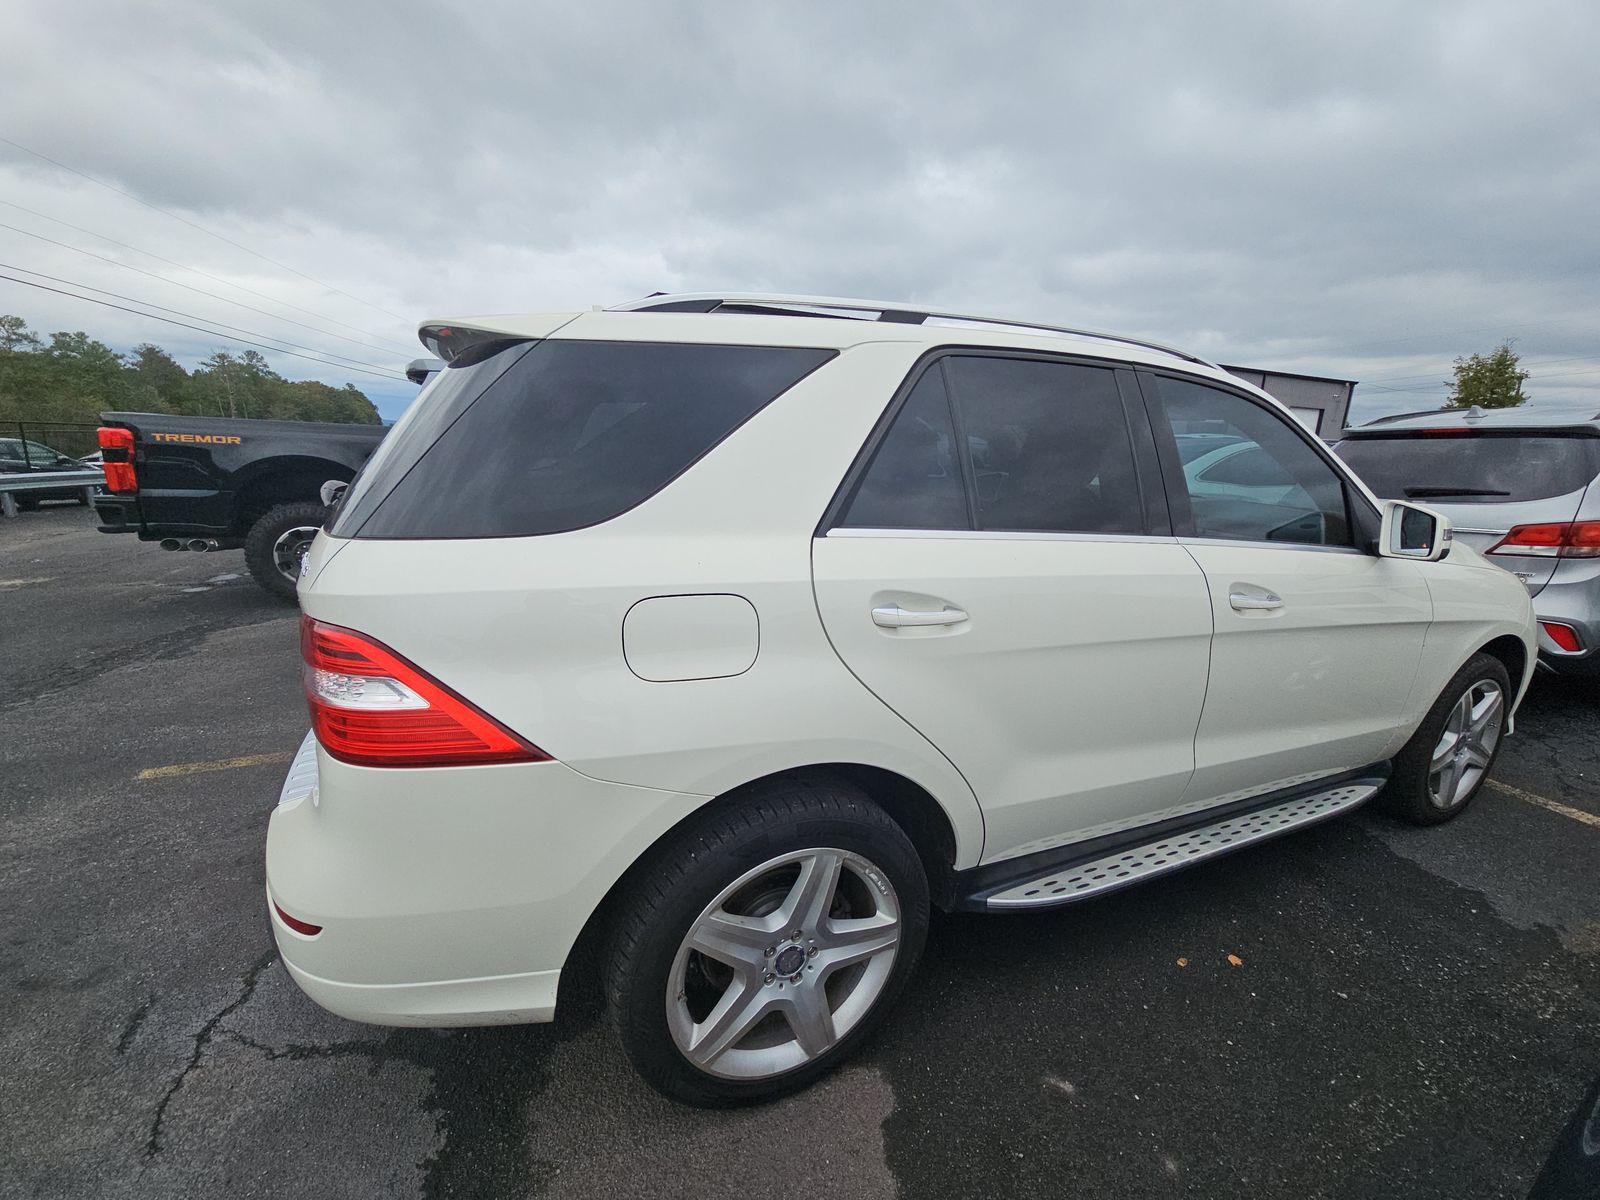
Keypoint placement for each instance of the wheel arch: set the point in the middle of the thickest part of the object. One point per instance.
(285, 479)
(1512, 652)
(918, 813)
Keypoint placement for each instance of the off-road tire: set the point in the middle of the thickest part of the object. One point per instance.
(259, 543)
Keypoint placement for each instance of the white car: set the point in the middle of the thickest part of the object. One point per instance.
(727, 636)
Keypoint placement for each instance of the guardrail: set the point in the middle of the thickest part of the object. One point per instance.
(34, 481)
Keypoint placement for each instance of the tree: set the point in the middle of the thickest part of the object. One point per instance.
(15, 336)
(73, 378)
(1489, 380)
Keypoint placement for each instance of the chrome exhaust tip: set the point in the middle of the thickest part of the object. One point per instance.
(172, 544)
(200, 545)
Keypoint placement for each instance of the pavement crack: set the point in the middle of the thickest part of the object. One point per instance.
(202, 1039)
(130, 1030)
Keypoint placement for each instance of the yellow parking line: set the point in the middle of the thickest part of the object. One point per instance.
(221, 764)
(1516, 793)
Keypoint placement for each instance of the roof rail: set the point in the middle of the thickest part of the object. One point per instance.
(779, 304)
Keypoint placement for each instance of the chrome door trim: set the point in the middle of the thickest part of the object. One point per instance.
(999, 535)
(1260, 545)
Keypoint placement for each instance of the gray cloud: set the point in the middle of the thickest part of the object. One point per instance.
(1364, 190)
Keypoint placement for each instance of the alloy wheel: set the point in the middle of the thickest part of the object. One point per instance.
(783, 964)
(1467, 744)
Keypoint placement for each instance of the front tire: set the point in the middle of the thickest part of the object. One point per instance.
(278, 541)
(1446, 762)
(763, 945)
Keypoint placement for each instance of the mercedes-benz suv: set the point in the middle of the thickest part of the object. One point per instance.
(727, 636)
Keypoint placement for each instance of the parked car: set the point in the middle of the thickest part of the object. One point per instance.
(725, 637)
(1521, 489)
(19, 456)
(213, 483)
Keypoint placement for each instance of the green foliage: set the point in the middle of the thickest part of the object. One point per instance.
(74, 378)
(1489, 380)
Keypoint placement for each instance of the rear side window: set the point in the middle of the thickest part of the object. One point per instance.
(914, 479)
(1049, 446)
(561, 435)
(1046, 447)
(1473, 468)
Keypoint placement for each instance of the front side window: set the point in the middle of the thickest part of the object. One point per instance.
(1249, 475)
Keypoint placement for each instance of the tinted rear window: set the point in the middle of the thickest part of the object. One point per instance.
(1475, 468)
(558, 435)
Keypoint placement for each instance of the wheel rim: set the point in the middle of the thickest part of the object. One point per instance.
(783, 964)
(290, 549)
(1467, 744)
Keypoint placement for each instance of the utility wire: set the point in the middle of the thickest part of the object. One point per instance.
(197, 328)
(84, 287)
(179, 283)
(207, 275)
(196, 225)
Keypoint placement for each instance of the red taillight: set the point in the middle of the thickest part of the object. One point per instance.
(1552, 539)
(1564, 636)
(116, 458)
(371, 707)
(295, 923)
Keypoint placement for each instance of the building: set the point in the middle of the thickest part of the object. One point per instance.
(1321, 404)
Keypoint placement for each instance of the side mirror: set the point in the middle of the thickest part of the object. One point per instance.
(1411, 531)
(332, 491)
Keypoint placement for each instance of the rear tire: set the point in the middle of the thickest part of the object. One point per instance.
(817, 858)
(1447, 761)
(278, 541)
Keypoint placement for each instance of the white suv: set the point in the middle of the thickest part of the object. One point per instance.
(729, 635)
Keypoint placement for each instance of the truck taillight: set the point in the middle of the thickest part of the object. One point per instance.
(372, 708)
(1552, 539)
(116, 457)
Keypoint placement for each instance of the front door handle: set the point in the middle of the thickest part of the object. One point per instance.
(1262, 601)
(892, 616)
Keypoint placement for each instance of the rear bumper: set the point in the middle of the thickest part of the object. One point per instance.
(118, 514)
(1572, 597)
(502, 1000)
(447, 896)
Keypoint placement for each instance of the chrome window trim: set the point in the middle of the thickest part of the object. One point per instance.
(1260, 545)
(1489, 532)
(995, 535)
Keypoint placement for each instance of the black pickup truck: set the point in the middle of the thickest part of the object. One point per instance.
(204, 483)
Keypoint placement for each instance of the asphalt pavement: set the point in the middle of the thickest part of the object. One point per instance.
(1360, 1010)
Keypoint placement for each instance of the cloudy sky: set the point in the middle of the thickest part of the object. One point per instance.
(1365, 190)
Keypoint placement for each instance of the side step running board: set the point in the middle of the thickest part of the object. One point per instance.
(1134, 864)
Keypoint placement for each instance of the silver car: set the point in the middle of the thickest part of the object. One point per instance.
(1520, 488)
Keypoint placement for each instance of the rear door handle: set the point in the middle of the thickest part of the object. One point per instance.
(892, 616)
(1262, 601)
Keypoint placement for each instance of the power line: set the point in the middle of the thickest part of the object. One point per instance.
(186, 286)
(199, 329)
(207, 275)
(196, 225)
(84, 287)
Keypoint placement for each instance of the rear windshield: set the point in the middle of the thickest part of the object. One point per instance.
(1473, 468)
(544, 437)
